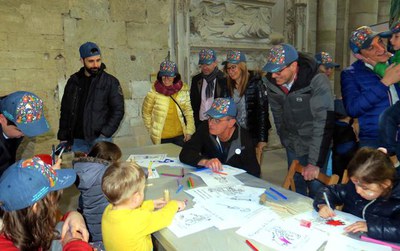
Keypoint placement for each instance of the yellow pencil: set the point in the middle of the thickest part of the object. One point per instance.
(149, 170)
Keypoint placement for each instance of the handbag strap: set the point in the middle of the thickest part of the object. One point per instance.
(184, 118)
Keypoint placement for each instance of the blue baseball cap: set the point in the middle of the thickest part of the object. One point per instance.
(394, 28)
(234, 57)
(222, 107)
(207, 56)
(28, 181)
(279, 57)
(168, 68)
(25, 110)
(89, 49)
(361, 38)
(325, 59)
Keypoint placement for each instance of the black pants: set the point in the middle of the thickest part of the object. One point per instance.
(178, 140)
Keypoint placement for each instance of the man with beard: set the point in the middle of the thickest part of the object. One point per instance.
(206, 86)
(92, 106)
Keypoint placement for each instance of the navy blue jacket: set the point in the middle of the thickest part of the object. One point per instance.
(92, 201)
(365, 97)
(382, 215)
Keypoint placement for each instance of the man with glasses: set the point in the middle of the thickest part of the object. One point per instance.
(221, 141)
(21, 113)
(302, 105)
(207, 85)
(365, 94)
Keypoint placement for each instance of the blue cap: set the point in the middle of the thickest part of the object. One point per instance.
(207, 56)
(279, 57)
(395, 28)
(325, 59)
(222, 107)
(168, 68)
(361, 38)
(28, 181)
(25, 110)
(89, 49)
(234, 57)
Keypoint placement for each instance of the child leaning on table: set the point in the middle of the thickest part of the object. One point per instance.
(372, 194)
(128, 221)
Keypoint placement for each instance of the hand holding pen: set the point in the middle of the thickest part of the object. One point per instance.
(325, 210)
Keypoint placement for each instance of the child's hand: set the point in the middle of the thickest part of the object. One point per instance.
(57, 165)
(325, 212)
(359, 226)
(181, 205)
(159, 203)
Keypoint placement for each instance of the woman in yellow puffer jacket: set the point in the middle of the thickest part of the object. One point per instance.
(166, 111)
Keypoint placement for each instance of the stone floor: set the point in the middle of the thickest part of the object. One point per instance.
(273, 169)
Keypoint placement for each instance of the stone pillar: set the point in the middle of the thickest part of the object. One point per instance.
(362, 13)
(383, 11)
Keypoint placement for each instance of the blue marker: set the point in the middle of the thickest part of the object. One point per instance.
(271, 195)
(278, 193)
(180, 187)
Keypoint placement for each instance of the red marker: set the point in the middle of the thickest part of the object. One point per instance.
(251, 245)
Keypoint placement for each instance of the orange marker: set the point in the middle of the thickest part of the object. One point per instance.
(191, 182)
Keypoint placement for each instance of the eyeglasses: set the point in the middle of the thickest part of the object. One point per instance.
(231, 68)
(216, 121)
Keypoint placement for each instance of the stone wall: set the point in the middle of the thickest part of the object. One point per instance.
(39, 43)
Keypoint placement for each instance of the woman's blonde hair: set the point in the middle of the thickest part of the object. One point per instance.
(121, 180)
(244, 80)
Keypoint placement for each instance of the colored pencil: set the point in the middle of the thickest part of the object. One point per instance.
(365, 238)
(278, 193)
(171, 175)
(251, 245)
(149, 170)
(271, 195)
(191, 182)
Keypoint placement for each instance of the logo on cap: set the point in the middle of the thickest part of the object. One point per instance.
(168, 68)
(207, 56)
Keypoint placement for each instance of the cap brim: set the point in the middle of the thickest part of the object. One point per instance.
(368, 42)
(66, 178)
(214, 114)
(207, 62)
(273, 68)
(331, 65)
(386, 34)
(33, 129)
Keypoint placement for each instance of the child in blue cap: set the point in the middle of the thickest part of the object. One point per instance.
(29, 198)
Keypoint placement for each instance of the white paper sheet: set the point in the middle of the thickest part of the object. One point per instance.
(344, 243)
(233, 192)
(280, 235)
(341, 220)
(192, 221)
(215, 179)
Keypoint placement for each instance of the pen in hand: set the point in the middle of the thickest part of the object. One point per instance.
(328, 204)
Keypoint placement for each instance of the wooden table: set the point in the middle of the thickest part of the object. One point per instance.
(211, 238)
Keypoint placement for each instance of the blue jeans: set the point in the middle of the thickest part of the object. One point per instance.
(81, 145)
(302, 186)
(389, 122)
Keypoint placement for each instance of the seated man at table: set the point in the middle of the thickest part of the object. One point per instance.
(221, 141)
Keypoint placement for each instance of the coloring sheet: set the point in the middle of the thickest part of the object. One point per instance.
(233, 212)
(334, 225)
(192, 221)
(234, 192)
(344, 243)
(215, 179)
(281, 235)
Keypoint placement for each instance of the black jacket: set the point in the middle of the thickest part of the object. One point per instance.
(195, 93)
(104, 107)
(382, 215)
(8, 151)
(258, 123)
(240, 153)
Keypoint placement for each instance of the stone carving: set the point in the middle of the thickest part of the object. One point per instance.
(229, 20)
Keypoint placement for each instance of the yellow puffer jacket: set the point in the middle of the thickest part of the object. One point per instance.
(155, 109)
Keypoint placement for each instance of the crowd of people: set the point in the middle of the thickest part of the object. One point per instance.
(222, 118)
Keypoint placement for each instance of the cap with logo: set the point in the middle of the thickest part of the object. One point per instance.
(89, 49)
(28, 181)
(234, 57)
(168, 68)
(222, 107)
(361, 38)
(25, 110)
(325, 59)
(207, 56)
(394, 28)
(279, 57)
